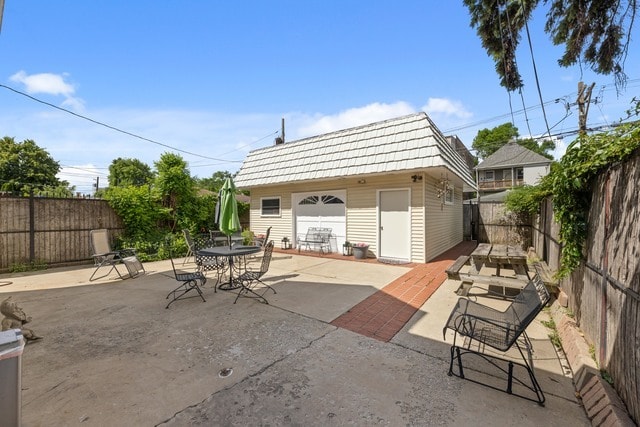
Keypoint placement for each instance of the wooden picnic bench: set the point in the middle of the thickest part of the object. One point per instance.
(316, 237)
(453, 272)
(498, 254)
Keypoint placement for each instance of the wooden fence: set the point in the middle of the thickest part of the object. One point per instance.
(51, 231)
(496, 225)
(604, 292)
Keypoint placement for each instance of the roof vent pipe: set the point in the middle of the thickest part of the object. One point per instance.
(280, 140)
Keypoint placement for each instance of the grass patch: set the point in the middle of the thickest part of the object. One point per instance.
(21, 267)
(553, 335)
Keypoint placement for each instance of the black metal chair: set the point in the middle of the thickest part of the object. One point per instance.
(262, 241)
(250, 279)
(209, 263)
(189, 282)
(480, 326)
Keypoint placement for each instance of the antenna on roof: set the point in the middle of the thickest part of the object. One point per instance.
(280, 139)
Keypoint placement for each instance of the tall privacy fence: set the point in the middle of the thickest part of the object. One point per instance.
(604, 292)
(50, 231)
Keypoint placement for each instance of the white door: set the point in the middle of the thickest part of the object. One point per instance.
(395, 224)
(324, 209)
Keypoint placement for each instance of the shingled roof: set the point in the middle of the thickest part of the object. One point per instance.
(512, 154)
(406, 143)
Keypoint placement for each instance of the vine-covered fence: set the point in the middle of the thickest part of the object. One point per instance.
(604, 292)
(48, 231)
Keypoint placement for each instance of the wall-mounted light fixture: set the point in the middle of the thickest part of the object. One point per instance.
(416, 178)
(362, 181)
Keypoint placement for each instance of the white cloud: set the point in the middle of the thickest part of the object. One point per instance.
(321, 124)
(561, 148)
(445, 107)
(50, 84)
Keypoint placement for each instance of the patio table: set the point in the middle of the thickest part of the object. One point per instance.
(230, 253)
(502, 256)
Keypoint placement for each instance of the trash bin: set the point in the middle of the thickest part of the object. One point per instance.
(11, 346)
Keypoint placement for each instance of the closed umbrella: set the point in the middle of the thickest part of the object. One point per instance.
(228, 212)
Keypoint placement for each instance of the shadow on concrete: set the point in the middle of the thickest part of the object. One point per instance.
(113, 355)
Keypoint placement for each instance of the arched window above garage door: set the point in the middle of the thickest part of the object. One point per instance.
(324, 200)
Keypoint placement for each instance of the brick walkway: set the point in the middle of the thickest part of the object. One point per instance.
(384, 313)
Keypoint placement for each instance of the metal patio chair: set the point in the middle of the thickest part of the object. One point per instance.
(479, 326)
(189, 281)
(104, 256)
(262, 241)
(206, 263)
(250, 279)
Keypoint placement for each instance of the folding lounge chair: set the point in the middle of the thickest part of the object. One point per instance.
(104, 256)
(251, 278)
(188, 283)
(190, 249)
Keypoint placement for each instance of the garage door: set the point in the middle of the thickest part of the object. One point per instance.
(327, 209)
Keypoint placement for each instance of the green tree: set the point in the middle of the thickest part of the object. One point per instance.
(215, 182)
(594, 31)
(25, 166)
(125, 172)
(139, 208)
(543, 148)
(488, 141)
(176, 187)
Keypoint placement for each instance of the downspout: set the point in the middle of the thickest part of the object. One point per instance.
(424, 213)
(477, 221)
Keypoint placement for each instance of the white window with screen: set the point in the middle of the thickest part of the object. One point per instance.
(449, 195)
(270, 206)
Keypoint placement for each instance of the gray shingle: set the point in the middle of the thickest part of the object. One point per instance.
(512, 154)
(404, 143)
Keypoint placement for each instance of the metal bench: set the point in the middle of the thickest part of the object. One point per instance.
(479, 326)
(316, 237)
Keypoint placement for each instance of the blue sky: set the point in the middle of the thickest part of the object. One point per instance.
(214, 78)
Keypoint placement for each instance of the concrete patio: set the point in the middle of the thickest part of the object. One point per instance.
(113, 355)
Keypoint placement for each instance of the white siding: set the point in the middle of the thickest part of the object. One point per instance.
(532, 174)
(443, 222)
(361, 206)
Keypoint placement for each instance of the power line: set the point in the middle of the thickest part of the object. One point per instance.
(115, 128)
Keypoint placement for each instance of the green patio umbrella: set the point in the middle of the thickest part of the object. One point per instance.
(229, 220)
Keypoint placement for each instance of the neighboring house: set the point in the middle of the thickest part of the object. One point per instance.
(462, 150)
(395, 185)
(512, 165)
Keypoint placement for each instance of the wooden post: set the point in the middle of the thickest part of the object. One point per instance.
(32, 227)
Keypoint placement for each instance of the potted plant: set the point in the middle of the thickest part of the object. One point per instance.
(360, 250)
(346, 248)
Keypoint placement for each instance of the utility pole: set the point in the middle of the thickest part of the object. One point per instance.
(583, 101)
(97, 185)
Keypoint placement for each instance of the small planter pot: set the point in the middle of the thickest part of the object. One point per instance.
(360, 252)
